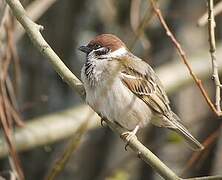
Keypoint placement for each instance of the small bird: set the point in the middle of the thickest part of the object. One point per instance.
(124, 89)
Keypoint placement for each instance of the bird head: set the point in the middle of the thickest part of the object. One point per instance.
(105, 46)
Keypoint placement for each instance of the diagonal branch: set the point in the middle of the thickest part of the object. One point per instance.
(184, 58)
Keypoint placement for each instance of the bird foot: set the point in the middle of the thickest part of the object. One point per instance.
(127, 136)
(103, 122)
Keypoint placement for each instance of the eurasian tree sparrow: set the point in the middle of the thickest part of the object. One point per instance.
(124, 89)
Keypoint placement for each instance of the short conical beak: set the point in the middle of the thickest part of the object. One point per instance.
(85, 49)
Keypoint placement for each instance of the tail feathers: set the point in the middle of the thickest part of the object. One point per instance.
(178, 127)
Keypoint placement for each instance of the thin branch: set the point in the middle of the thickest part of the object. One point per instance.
(212, 42)
(15, 162)
(204, 19)
(184, 58)
(7, 112)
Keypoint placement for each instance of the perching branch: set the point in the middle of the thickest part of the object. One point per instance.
(212, 42)
(184, 58)
(33, 31)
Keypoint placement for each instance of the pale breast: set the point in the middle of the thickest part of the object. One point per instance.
(114, 100)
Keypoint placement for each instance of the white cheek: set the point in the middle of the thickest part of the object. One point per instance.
(116, 54)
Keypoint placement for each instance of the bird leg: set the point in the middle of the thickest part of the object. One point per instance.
(127, 136)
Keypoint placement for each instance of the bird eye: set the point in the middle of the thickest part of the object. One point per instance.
(97, 46)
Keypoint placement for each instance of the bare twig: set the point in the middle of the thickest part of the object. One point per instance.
(204, 19)
(9, 26)
(184, 58)
(212, 42)
(10, 143)
(7, 112)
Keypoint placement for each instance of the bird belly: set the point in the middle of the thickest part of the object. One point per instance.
(118, 103)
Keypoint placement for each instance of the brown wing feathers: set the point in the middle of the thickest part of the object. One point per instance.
(144, 86)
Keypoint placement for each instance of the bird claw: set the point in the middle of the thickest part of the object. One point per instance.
(127, 136)
(102, 122)
(127, 144)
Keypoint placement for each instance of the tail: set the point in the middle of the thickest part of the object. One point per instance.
(177, 126)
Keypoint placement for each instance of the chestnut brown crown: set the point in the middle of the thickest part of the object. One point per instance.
(108, 41)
